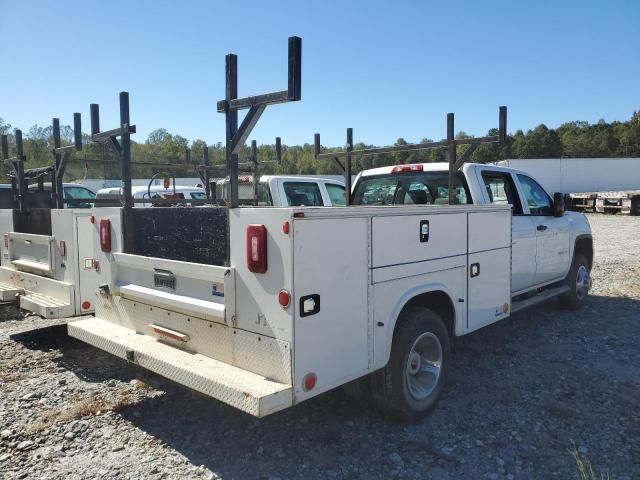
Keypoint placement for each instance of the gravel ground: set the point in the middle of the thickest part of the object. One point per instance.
(522, 393)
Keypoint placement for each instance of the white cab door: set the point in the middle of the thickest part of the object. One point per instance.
(500, 189)
(552, 233)
(523, 253)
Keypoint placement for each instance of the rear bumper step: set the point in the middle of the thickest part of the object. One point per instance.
(247, 391)
(8, 292)
(47, 307)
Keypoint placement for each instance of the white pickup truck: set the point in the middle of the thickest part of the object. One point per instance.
(287, 190)
(283, 304)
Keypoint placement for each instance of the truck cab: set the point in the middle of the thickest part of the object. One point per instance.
(545, 239)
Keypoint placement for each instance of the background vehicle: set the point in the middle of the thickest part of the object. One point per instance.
(180, 192)
(72, 191)
(287, 190)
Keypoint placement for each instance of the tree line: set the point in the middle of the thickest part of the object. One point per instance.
(163, 150)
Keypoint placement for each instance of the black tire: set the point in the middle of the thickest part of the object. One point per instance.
(391, 387)
(576, 297)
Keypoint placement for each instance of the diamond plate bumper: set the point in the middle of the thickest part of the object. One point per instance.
(247, 391)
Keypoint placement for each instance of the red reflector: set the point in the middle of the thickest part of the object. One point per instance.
(257, 248)
(92, 219)
(309, 381)
(105, 235)
(284, 298)
(407, 168)
(86, 305)
(285, 228)
(63, 248)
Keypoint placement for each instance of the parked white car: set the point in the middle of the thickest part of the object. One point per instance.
(287, 190)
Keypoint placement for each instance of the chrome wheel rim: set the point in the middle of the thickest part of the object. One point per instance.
(424, 366)
(583, 282)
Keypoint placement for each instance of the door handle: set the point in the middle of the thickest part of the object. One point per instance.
(541, 228)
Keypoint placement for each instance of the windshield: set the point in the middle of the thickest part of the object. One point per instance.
(425, 188)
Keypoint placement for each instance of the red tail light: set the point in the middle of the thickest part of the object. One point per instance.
(63, 248)
(105, 235)
(407, 168)
(257, 248)
(309, 381)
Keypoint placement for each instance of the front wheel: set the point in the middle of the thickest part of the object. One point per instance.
(579, 282)
(411, 383)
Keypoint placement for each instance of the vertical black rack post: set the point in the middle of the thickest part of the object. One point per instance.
(61, 156)
(17, 164)
(122, 150)
(450, 143)
(237, 135)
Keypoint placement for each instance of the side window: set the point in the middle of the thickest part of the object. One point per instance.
(537, 199)
(78, 193)
(501, 190)
(336, 193)
(264, 195)
(303, 194)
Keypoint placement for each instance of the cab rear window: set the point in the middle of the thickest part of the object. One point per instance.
(424, 188)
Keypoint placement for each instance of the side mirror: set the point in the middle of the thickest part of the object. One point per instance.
(558, 204)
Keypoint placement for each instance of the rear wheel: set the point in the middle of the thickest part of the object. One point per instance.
(579, 281)
(412, 382)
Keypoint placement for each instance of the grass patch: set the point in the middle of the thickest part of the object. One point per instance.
(112, 400)
(585, 469)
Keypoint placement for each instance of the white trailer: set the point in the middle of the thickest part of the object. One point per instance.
(48, 261)
(594, 184)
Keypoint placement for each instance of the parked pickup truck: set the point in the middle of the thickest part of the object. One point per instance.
(286, 190)
(263, 308)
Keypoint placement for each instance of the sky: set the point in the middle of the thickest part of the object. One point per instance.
(386, 69)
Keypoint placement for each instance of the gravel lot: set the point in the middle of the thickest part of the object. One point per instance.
(522, 393)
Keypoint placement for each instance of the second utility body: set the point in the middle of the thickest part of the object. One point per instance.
(263, 308)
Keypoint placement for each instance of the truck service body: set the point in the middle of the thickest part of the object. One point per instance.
(272, 306)
(47, 261)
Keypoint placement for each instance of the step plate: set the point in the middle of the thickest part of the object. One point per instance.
(47, 307)
(247, 391)
(8, 292)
